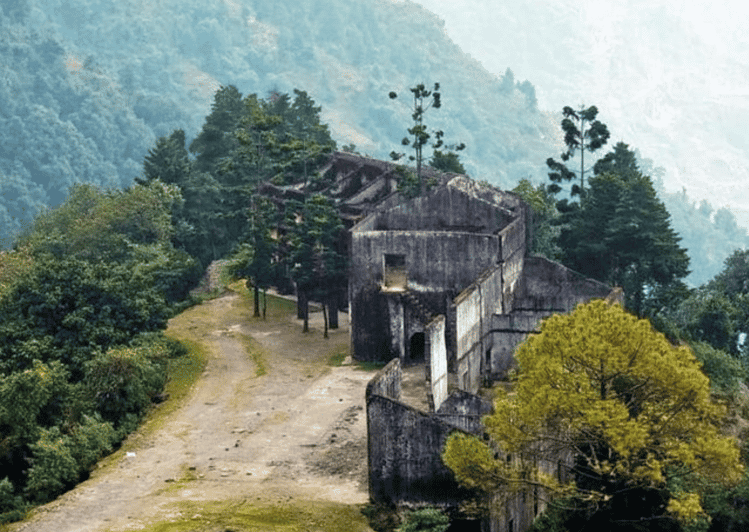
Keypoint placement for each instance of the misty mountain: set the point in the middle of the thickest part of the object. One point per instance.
(87, 86)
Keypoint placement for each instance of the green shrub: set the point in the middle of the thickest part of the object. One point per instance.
(426, 520)
(90, 440)
(53, 468)
(124, 380)
(12, 505)
(725, 372)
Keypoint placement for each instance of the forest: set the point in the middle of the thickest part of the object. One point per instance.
(79, 110)
(114, 202)
(86, 290)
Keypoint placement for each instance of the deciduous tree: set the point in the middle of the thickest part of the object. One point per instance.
(607, 411)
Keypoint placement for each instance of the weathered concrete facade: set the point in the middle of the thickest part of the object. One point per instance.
(445, 280)
(438, 244)
(405, 443)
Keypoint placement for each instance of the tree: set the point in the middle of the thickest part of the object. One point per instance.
(544, 231)
(254, 257)
(423, 100)
(319, 265)
(622, 233)
(606, 411)
(216, 140)
(447, 161)
(582, 132)
(167, 161)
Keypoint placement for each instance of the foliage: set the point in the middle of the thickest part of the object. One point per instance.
(726, 373)
(67, 310)
(607, 411)
(545, 230)
(621, 234)
(447, 161)
(426, 520)
(582, 132)
(124, 381)
(12, 505)
(317, 256)
(424, 99)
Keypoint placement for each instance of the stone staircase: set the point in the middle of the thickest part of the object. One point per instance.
(412, 300)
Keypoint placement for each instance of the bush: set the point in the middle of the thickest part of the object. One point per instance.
(725, 372)
(426, 520)
(90, 440)
(53, 469)
(124, 380)
(12, 505)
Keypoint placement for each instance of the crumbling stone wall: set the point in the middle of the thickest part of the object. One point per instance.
(404, 447)
(436, 363)
(472, 314)
(438, 266)
(544, 288)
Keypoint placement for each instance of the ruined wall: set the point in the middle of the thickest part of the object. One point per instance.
(387, 382)
(438, 266)
(464, 410)
(513, 246)
(472, 314)
(544, 288)
(444, 209)
(404, 448)
(507, 332)
(548, 285)
(436, 362)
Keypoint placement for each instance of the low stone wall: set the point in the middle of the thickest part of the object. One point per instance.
(405, 446)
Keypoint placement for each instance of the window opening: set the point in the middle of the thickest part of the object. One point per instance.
(395, 271)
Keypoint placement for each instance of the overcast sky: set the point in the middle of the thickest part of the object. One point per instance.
(670, 78)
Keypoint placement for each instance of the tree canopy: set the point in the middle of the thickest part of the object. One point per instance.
(622, 233)
(605, 411)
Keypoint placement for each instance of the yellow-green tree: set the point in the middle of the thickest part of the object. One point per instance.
(608, 413)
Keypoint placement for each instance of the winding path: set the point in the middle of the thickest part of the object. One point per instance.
(298, 431)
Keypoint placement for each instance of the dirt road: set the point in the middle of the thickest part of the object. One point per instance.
(268, 423)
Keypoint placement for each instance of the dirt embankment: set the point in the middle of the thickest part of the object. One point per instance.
(268, 423)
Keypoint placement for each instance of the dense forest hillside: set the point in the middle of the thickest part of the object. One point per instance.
(88, 86)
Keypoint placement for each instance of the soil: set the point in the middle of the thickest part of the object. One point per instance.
(298, 431)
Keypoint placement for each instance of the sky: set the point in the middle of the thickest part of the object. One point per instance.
(669, 78)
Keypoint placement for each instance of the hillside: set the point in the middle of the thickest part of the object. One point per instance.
(88, 86)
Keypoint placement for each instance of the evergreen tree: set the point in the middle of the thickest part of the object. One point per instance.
(319, 264)
(622, 233)
(424, 99)
(608, 417)
(216, 140)
(583, 133)
(168, 161)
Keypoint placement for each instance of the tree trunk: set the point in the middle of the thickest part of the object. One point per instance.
(265, 302)
(333, 310)
(325, 320)
(305, 311)
(301, 304)
(257, 302)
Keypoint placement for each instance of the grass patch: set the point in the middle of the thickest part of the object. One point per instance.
(256, 516)
(370, 366)
(276, 307)
(337, 359)
(255, 350)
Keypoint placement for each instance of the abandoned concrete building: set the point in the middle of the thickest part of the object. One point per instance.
(442, 284)
(444, 281)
